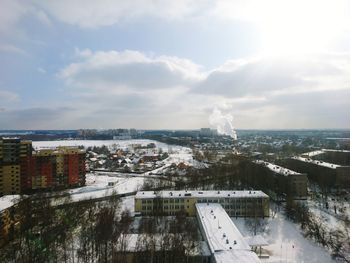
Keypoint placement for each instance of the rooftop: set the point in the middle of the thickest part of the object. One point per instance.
(277, 169)
(338, 151)
(316, 162)
(313, 153)
(59, 150)
(200, 194)
(322, 151)
(225, 241)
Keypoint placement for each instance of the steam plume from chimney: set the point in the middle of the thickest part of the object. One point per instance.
(223, 123)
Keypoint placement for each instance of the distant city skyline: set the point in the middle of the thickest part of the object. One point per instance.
(172, 64)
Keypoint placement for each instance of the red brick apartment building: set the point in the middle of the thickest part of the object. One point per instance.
(23, 170)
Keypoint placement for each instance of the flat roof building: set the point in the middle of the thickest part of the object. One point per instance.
(225, 241)
(340, 157)
(324, 173)
(12, 151)
(236, 203)
(286, 181)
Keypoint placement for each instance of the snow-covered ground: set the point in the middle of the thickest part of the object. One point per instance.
(111, 144)
(286, 243)
(128, 203)
(97, 187)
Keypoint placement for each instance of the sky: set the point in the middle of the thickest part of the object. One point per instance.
(164, 64)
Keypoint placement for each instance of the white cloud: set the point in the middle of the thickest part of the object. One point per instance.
(10, 12)
(92, 14)
(125, 70)
(267, 76)
(8, 96)
(41, 70)
(12, 49)
(153, 91)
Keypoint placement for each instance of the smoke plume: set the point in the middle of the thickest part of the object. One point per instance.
(223, 123)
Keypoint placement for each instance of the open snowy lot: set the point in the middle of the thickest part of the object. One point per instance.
(97, 186)
(286, 243)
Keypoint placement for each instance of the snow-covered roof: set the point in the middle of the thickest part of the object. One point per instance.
(225, 241)
(338, 151)
(322, 151)
(313, 153)
(256, 241)
(8, 201)
(200, 194)
(277, 169)
(316, 162)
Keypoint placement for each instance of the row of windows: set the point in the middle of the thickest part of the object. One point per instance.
(181, 207)
(219, 200)
(232, 201)
(166, 207)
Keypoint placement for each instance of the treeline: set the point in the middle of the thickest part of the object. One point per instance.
(168, 239)
(96, 232)
(232, 172)
(72, 233)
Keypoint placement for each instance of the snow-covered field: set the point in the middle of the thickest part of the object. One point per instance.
(112, 144)
(286, 243)
(177, 153)
(97, 187)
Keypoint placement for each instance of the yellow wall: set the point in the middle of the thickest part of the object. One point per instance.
(10, 179)
(138, 205)
(190, 209)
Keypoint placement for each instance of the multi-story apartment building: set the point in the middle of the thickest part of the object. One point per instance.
(325, 173)
(57, 168)
(285, 180)
(236, 203)
(12, 151)
(23, 170)
(340, 157)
